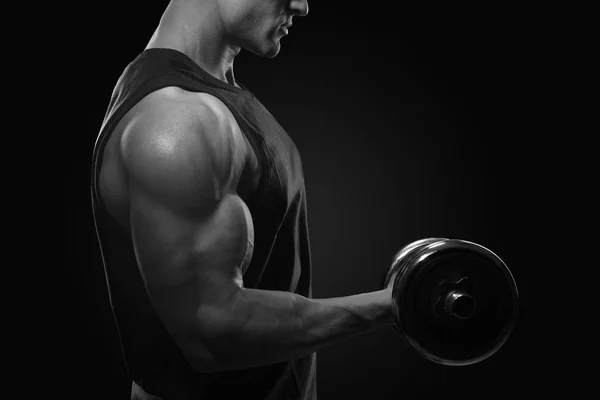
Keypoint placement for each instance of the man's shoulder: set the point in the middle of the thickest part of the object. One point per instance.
(186, 117)
(177, 130)
(174, 103)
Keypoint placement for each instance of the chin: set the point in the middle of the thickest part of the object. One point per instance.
(270, 51)
(265, 45)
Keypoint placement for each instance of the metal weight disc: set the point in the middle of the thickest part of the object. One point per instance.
(398, 268)
(455, 301)
(401, 255)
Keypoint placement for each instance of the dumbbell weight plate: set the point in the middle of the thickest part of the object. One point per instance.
(400, 263)
(430, 276)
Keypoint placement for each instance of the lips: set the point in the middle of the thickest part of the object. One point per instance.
(285, 27)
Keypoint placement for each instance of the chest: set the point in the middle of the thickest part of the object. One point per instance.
(279, 160)
(283, 157)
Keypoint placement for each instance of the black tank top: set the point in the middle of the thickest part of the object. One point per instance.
(281, 258)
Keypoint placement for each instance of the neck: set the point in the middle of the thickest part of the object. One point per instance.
(195, 29)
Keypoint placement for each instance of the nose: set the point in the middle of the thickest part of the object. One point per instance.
(299, 7)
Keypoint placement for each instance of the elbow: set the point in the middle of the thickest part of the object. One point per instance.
(210, 346)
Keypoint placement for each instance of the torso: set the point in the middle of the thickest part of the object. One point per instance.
(281, 258)
(113, 184)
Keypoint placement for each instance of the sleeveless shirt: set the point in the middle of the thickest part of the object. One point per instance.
(281, 259)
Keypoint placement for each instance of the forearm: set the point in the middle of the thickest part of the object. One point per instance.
(262, 327)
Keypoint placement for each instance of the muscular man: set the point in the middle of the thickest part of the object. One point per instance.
(200, 211)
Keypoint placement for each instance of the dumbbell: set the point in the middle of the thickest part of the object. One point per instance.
(454, 301)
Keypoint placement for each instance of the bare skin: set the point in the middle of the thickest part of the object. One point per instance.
(173, 174)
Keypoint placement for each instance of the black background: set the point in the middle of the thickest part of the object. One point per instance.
(412, 120)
